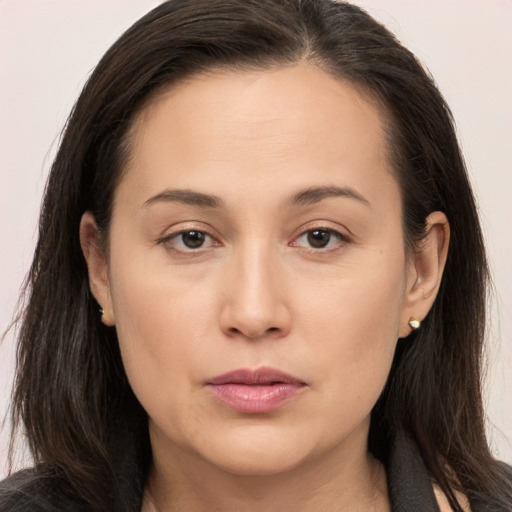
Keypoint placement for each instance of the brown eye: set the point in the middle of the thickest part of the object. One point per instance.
(193, 239)
(318, 238)
(188, 241)
(321, 240)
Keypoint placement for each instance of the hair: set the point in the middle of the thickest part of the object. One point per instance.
(71, 393)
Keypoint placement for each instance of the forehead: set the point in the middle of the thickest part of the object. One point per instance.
(273, 124)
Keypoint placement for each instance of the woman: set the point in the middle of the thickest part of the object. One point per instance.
(260, 279)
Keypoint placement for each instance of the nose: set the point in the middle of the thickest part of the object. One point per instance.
(254, 296)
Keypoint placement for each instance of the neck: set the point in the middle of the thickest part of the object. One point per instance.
(344, 479)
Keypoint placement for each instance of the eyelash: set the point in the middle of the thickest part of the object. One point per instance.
(340, 239)
(167, 241)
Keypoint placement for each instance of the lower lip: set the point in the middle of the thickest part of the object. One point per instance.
(257, 398)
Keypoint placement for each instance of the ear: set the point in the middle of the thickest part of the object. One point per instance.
(96, 260)
(425, 271)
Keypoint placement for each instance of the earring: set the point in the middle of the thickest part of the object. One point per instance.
(414, 323)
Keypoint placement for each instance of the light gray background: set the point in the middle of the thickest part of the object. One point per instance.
(48, 48)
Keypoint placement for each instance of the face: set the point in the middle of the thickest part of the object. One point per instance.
(257, 230)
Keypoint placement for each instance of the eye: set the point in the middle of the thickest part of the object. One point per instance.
(320, 239)
(188, 241)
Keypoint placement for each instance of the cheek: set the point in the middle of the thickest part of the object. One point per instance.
(354, 321)
(160, 323)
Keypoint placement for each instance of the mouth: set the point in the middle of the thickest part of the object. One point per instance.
(255, 391)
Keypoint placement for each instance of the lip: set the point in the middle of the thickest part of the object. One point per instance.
(255, 391)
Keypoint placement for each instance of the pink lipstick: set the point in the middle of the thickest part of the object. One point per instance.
(255, 391)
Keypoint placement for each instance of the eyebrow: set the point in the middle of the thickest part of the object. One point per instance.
(187, 197)
(305, 197)
(316, 194)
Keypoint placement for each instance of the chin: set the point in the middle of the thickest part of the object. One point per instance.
(257, 453)
(257, 464)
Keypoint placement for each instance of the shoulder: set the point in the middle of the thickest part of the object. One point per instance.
(32, 491)
(411, 488)
(482, 503)
(507, 470)
(16, 494)
(501, 498)
(444, 504)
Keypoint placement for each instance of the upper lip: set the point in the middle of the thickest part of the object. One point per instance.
(260, 376)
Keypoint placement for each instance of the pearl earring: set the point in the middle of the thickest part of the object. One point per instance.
(414, 323)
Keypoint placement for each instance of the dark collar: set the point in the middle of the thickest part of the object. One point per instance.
(409, 483)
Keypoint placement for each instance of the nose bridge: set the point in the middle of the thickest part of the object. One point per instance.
(255, 265)
(255, 302)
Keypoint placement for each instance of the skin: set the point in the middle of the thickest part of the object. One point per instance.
(256, 293)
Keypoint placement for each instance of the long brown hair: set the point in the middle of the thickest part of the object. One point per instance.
(71, 392)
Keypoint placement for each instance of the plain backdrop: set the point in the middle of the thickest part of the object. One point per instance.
(49, 47)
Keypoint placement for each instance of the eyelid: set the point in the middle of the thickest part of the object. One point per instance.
(165, 239)
(343, 238)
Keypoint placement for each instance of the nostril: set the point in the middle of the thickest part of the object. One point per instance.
(248, 321)
(254, 334)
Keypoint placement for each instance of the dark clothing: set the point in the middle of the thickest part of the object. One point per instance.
(409, 483)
